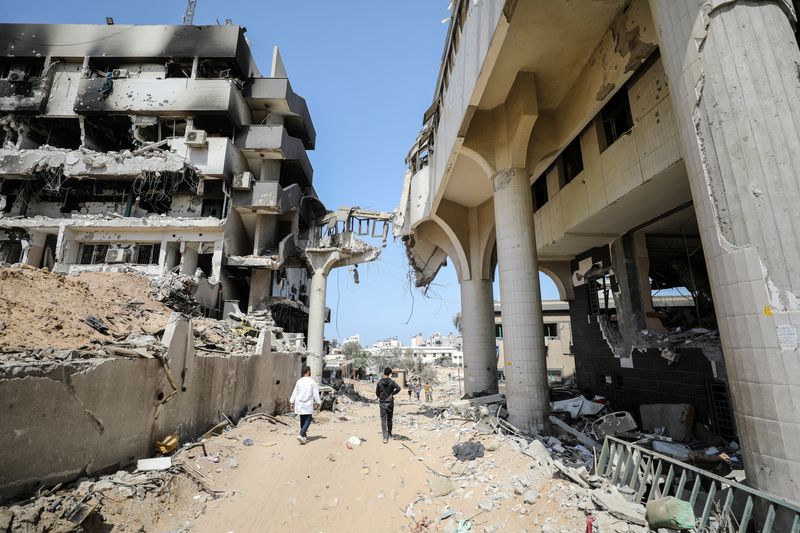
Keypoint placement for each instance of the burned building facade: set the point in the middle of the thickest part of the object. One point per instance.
(160, 149)
(642, 154)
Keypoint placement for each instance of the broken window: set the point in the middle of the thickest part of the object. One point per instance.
(679, 284)
(10, 251)
(571, 161)
(147, 254)
(554, 375)
(551, 331)
(602, 284)
(539, 189)
(19, 75)
(108, 133)
(179, 68)
(92, 254)
(616, 118)
(204, 263)
(498, 331)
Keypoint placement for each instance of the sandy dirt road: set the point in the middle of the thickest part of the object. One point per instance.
(279, 485)
(256, 477)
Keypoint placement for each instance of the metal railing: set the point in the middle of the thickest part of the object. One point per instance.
(651, 475)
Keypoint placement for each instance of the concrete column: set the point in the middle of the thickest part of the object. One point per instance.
(316, 323)
(732, 70)
(264, 234)
(189, 259)
(260, 285)
(477, 331)
(523, 330)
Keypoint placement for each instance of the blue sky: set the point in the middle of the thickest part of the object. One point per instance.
(367, 69)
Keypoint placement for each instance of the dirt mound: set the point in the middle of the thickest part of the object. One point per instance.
(39, 309)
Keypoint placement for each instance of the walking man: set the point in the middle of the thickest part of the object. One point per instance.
(428, 393)
(385, 392)
(304, 396)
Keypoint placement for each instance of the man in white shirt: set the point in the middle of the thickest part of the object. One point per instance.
(304, 396)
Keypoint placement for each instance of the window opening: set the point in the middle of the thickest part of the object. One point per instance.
(616, 117)
(551, 331)
(92, 254)
(540, 192)
(147, 254)
(572, 160)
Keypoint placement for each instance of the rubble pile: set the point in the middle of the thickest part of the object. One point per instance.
(41, 309)
(175, 291)
(220, 337)
(130, 499)
(49, 317)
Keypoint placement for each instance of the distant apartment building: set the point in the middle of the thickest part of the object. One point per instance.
(353, 339)
(557, 338)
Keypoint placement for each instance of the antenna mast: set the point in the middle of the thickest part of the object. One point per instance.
(188, 16)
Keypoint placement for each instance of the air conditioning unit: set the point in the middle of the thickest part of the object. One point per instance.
(242, 181)
(118, 255)
(196, 138)
(119, 73)
(16, 74)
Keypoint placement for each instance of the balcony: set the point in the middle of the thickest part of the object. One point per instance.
(172, 96)
(217, 159)
(277, 95)
(272, 141)
(268, 197)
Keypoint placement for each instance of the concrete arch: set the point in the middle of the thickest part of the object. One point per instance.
(433, 231)
(489, 255)
(559, 273)
(458, 254)
(478, 159)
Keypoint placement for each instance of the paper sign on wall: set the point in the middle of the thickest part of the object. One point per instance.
(787, 337)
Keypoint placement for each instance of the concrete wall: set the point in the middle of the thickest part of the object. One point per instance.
(649, 379)
(462, 77)
(639, 160)
(64, 421)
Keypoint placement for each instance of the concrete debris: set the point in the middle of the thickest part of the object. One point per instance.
(610, 499)
(440, 486)
(678, 419)
(157, 463)
(176, 291)
(614, 424)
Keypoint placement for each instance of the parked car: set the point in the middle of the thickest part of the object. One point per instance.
(576, 402)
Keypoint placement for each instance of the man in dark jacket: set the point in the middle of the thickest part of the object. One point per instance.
(385, 392)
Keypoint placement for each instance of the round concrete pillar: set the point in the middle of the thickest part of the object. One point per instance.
(478, 337)
(316, 324)
(733, 75)
(523, 331)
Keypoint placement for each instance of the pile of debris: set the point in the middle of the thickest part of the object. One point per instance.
(68, 313)
(49, 317)
(669, 429)
(177, 292)
(140, 492)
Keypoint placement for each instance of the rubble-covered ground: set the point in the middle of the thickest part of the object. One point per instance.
(39, 309)
(257, 477)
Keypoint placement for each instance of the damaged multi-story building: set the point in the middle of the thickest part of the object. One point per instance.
(158, 149)
(630, 150)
